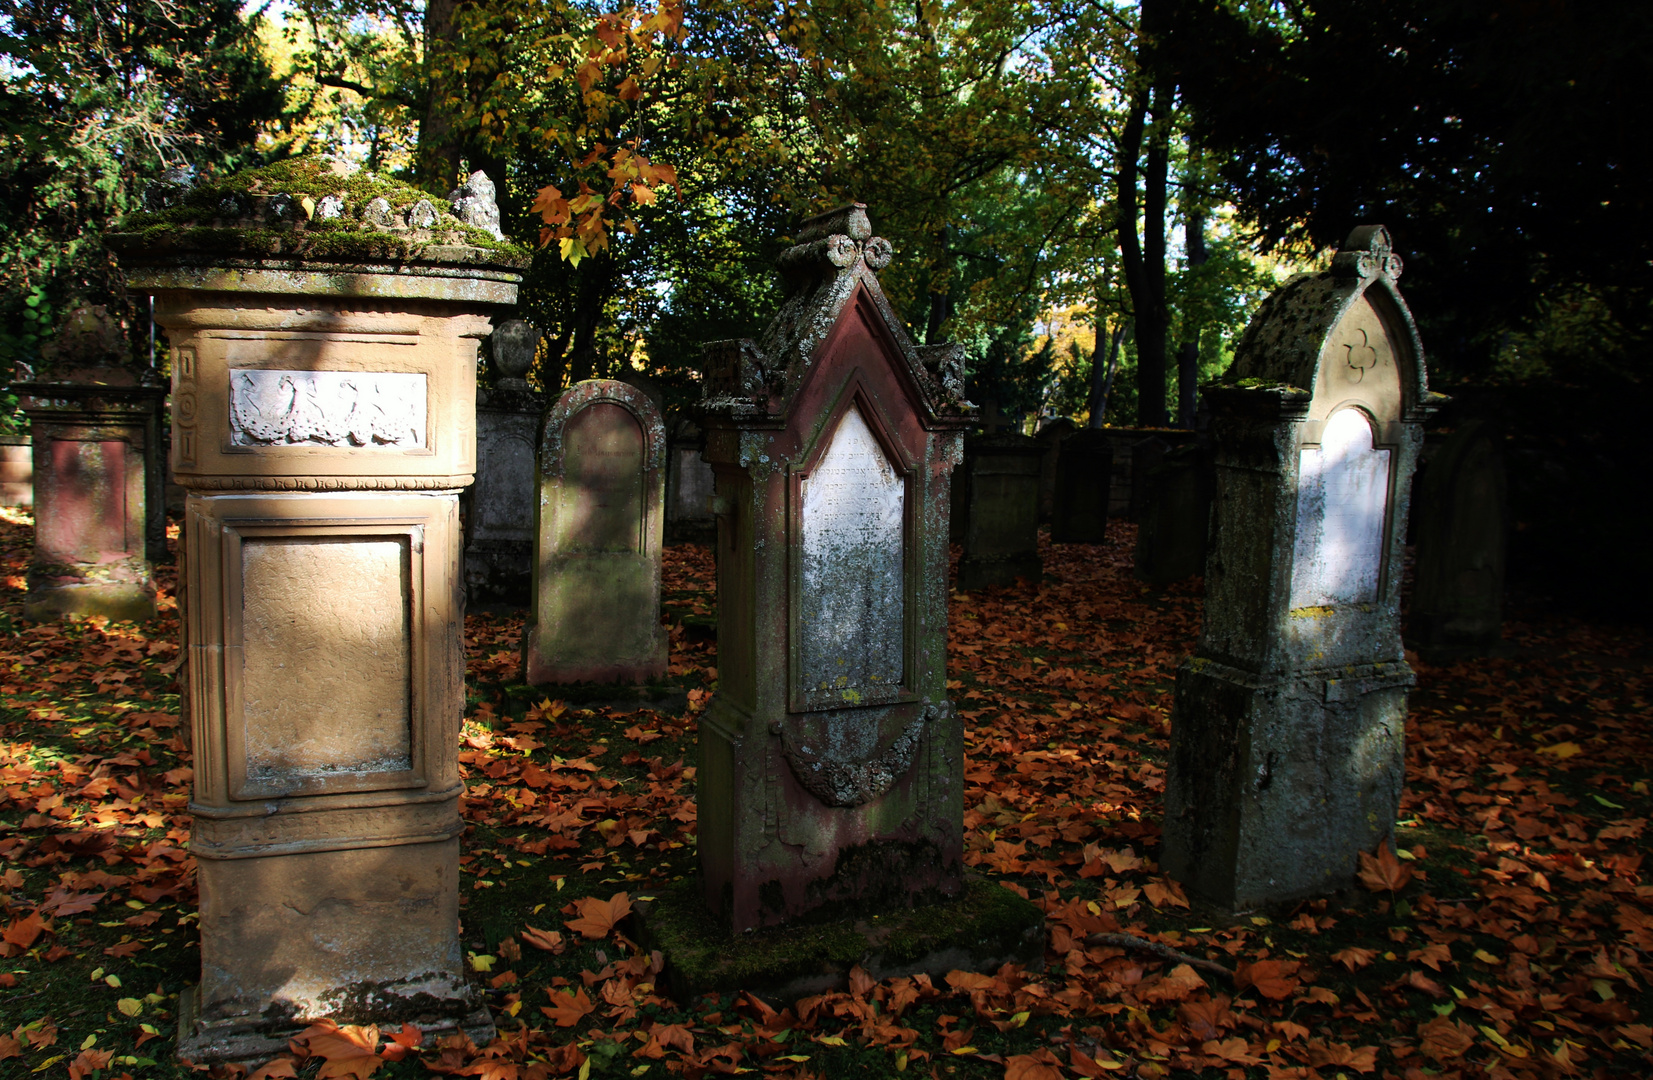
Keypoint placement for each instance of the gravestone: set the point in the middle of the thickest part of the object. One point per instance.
(1146, 455)
(1084, 472)
(1176, 519)
(16, 471)
(599, 526)
(99, 523)
(689, 487)
(1287, 732)
(499, 523)
(1457, 606)
(1051, 435)
(997, 498)
(324, 408)
(830, 757)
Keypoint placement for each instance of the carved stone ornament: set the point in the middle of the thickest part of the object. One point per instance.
(329, 408)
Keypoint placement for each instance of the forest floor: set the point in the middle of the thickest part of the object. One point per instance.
(1508, 934)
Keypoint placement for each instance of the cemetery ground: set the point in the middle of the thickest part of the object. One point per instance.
(1507, 935)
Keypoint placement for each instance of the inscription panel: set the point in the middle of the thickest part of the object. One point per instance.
(602, 491)
(851, 624)
(326, 674)
(273, 407)
(1342, 497)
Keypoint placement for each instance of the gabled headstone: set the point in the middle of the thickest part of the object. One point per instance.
(1457, 604)
(499, 521)
(830, 757)
(600, 520)
(1287, 735)
(1084, 473)
(998, 497)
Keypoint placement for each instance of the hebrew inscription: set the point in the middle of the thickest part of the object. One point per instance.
(852, 615)
(1342, 497)
(271, 407)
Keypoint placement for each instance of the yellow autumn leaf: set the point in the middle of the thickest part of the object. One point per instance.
(1562, 750)
(129, 1006)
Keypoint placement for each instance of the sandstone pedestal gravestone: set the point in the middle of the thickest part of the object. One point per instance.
(499, 521)
(997, 497)
(324, 352)
(16, 471)
(599, 526)
(1176, 517)
(99, 522)
(830, 756)
(1457, 606)
(1287, 733)
(1083, 474)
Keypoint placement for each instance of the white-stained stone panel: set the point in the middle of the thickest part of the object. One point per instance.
(272, 407)
(1342, 497)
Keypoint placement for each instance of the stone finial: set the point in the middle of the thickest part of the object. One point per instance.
(514, 345)
(1368, 252)
(171, 186)
(89, 338)
(834, 241)
(474, 204)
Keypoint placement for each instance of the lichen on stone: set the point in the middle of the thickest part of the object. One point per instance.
(311, 208)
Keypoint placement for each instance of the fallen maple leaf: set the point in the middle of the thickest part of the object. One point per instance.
(1354, 958)
(1444, 1038)
(1087, 1066)
(598, 917)
(1270, 978)
(1039, 1065)
(549, 940)
(88, 1062)
(21, 934)
(1340, 1055)
(1383, 871)
(347, 1051)
(1165, 891)
(280, 1068)
(568, 1009)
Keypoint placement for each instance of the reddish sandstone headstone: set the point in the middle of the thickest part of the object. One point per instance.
(831, 758)
(599, 528)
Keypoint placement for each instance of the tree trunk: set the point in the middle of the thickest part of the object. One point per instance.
(1104, 386)
(1144, 257)
(588, 312)
(1188, 357)
(437, 159)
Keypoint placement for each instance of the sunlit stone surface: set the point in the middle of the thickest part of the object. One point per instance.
(1341, 499)
(850, 644)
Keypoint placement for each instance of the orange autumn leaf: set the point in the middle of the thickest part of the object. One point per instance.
(282, 1068)
(1270, 978)
(568, 1008)
(1354, 958)
(1341, 1056)
(549, 940)
(598, 917)
(1039, 1065)
(22, 933)
(88, 1062)
(1383, 871)
(346, 1051)
(1445, 1038)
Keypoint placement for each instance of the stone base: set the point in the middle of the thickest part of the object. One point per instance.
(499, 576)
(243, 1043)
(662, 697)
(131, 601)
(1276, 787)
(975, 573)
(988, 927)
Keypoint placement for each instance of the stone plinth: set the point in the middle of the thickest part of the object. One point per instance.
(1287, 732)
(998, 497)
(1462, 527)
(830, 757)
(1084, 470)
(690, 486)
(16, 471)
(499, 518)
(95, 494)
(1051, 435)
(323, 425)
(1176, 517)
(599, 528)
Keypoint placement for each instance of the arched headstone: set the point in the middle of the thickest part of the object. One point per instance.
(1287, 736)
(600, 523)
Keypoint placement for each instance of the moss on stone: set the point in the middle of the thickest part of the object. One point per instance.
(984, 928)
(243, 216)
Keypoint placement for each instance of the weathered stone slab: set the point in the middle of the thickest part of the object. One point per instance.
(1051, 435)
(1000, 506)
(690, 486)
(830, 755)
(1457, 606)
(1287, 732)
(601, 515)
(1171, 538)
(499, 519)
(1084, 471)
(16, 471)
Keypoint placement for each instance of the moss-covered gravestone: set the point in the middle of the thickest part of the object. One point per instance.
(1287, 735)
(830, 757)
(324, 326)
(601, 514)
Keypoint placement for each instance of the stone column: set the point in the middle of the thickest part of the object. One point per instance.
(830, 756)
(96, 428)
(599, 522)
(1287, 732)
(324, 405)
(1000, 492)
(1457, 607)
(1084, 473)
(499, 520)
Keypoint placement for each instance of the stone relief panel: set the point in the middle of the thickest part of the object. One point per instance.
(327, 667)
(272, 407)
(852, 616)
(1342, 498)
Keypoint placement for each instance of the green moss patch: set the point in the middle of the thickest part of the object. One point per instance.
(987, 927)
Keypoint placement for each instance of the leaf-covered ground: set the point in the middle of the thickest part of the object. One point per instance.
(1506, 937)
